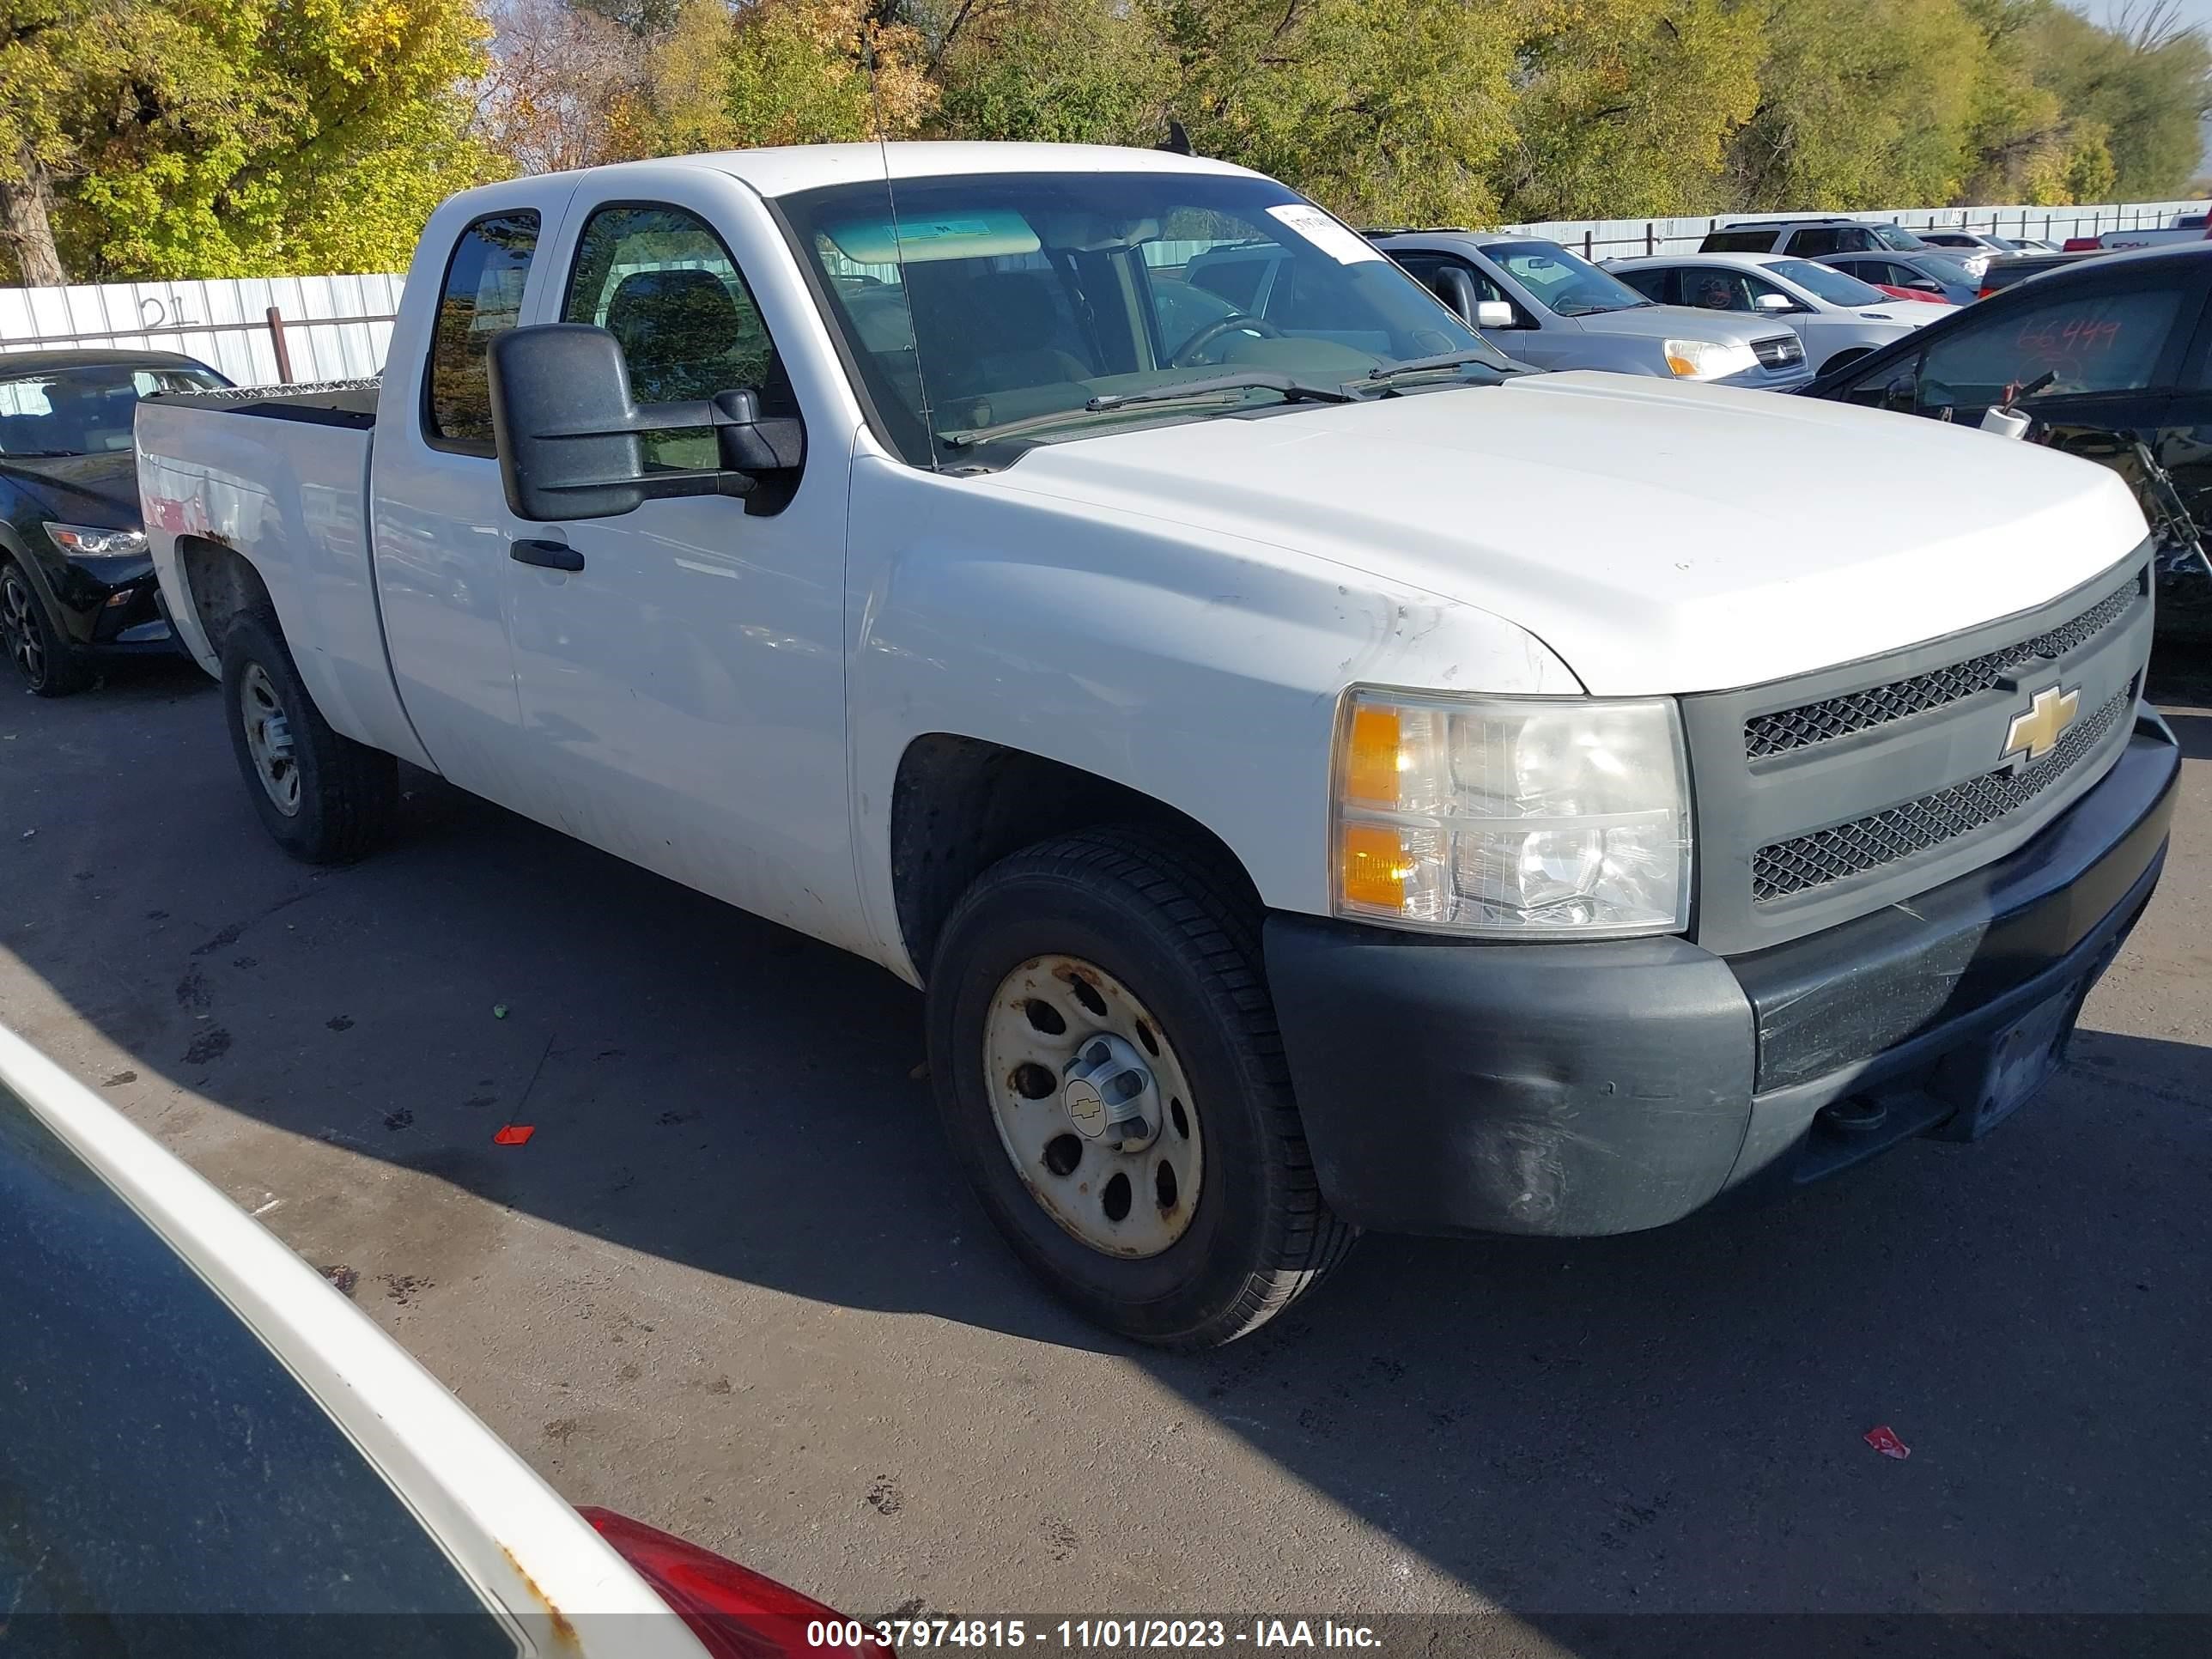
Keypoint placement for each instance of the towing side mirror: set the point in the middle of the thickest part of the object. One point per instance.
(570, 434)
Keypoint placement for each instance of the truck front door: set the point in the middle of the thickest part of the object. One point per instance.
(682, 693)
(441, 525)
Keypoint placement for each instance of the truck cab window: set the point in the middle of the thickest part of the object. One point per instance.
(482, 295)
(659, 279)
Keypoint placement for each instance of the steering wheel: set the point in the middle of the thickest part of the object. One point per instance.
(1235, 322)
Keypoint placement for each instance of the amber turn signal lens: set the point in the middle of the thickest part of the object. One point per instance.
(1372, 865)
(1372, 757)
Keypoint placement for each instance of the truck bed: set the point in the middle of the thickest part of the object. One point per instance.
(287, 491)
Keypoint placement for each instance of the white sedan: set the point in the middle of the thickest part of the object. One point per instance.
(1839, 317)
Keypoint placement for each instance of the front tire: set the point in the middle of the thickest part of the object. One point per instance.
(42, 657)
(324, 797)
(1845, 358)
(1115, 959)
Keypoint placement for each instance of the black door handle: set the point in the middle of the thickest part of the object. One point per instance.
(550, 555)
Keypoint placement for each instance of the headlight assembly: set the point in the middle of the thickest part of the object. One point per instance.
(1541, 817)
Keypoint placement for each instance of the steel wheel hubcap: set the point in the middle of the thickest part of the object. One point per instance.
(20, 625)
(1092, 1106)
(268, 739)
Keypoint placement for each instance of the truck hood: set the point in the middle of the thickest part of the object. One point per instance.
(1660, 537)
(1682, 323)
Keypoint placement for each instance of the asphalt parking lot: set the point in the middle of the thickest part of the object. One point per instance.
(731, 1286)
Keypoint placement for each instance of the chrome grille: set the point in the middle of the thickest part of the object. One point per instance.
(1804, 862)
(1783, 351)
(1859, 711)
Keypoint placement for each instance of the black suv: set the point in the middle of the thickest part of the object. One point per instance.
(2113, 353)
(1809, 239)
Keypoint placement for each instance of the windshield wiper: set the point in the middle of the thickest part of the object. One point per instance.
(1389, 372)
(1258, 380)
(1292, 390)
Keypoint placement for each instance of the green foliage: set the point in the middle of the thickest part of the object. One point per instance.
(798, 74)
(1054, 71)
(2149, 94)
(1630, 104)
(1387, 110)
(187, 138)
(1865, 105)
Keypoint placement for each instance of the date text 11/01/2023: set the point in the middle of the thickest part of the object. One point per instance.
(1089, 1635)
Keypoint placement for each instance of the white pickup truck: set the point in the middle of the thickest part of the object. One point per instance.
(1323, 777)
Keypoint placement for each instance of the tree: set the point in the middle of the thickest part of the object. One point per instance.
(2146, 87)
(563, 87)
(798, 74)
(1064, 71)
(1862, 104)
(45, 54)
(1627, 107)
(225, 137)
(1385, 110)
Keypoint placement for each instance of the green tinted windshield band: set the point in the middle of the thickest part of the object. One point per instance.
(982, 234)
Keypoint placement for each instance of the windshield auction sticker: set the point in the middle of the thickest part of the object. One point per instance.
(1344, 247)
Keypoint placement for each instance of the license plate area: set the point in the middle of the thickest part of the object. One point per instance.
(2018, 1061)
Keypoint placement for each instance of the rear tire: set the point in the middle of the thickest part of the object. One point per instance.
(324, 797)
(35, 646)
(1180, 962)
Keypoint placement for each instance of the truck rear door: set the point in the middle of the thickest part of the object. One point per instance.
(439, 518)
(682, 691)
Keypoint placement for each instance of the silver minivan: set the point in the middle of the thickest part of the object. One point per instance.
(1537, 301)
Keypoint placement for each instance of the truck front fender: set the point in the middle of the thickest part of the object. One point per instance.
(1197, 670)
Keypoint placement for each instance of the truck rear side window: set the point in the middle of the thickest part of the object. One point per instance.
(482, 296)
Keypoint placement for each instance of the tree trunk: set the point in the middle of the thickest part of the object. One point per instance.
(27, 224)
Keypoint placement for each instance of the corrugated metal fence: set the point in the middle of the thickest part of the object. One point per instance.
(259, 331)
(266, 331)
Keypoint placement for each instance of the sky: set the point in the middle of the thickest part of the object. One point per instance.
(2199, 12)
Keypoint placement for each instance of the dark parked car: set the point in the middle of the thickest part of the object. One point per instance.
(75, 579)
(2126, 346)
(1939, 276)
(2003, 273)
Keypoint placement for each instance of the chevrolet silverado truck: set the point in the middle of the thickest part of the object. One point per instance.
(1323, 777)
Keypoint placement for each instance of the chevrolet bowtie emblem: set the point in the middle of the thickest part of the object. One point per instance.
(2035, 734)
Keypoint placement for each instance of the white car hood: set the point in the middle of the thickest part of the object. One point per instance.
(1659, 536)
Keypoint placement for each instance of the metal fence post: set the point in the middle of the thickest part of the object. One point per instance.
(1650, 248)
(283, 351)
(1590, 247)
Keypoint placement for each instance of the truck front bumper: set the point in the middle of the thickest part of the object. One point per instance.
(1584, 1089)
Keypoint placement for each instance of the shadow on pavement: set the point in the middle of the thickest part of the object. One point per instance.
(1671, 1420)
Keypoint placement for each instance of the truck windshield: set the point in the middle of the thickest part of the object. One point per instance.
(1008, 299)
(88, 410)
